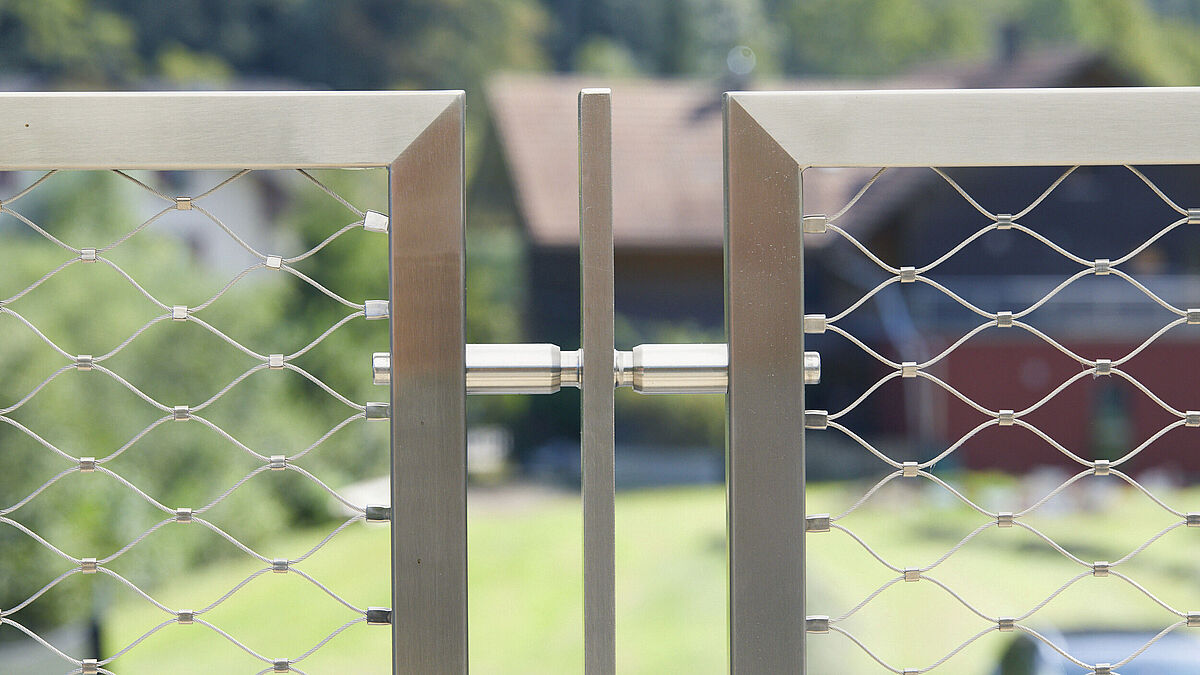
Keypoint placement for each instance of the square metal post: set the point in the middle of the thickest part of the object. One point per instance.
(429, 492)
(764, 314)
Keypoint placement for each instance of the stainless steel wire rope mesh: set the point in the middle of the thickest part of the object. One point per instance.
(821, 421)
(89, 460)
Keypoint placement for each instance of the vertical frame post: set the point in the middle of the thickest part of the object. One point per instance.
(429, 494)
(596, 303)
(764, 313)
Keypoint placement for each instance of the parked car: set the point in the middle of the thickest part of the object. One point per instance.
(1176, 653)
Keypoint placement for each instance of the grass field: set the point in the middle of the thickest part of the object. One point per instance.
(525, 584)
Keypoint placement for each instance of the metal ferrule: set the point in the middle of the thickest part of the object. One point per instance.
(545, 369)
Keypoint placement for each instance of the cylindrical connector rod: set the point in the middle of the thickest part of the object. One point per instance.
(648, 369)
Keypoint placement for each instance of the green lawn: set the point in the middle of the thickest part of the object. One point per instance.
(525, 585)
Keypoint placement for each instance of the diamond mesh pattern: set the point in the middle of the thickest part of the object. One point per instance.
(999, 319)
(194, 413)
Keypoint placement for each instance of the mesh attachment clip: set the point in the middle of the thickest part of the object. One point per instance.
(1103, 367)
(378, 411)
(1193, 520)
(1006, 418)
(179, 313)
(816, 624)
(912, 574)
(1102, 669)
(1193, 316)
(378, 616)
(1101, 467)
(84, 362)
(909, 469)
(89, 667)
(375, 309)
(1193, 217)
(185, 616)
(279, 565)
(1101, 568)
(817, 523)
(814, 324)
(1004, 519)
(1004, 221)
(183, 515)
(1193, 619)
(281, 666)
(1192, 418)
(1006, 624)
(88, 565)
(274, 262)
(1102, 266)
(815, 224)
(816, 419)
(378, 513)
(183, 203)
(87, 255)
(275, 361)
(908, 275)
(181, 413)
(908, 369)
(1004, 319)
(374, 221)
(278, 463)
(87, 464)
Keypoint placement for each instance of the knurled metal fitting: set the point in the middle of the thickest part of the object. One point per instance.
(1004, 319)
(1193, 316)
(908, 275)
(84, 362)
(274, 262)
(1006, 624)
(278, 462)
(1102, 669)
(181, 412)
(378, 616)
(1004, 221)
(183, 203)
(375, 309)
(817, 223)
(816, 624)
(88, 565)
(183, 515)
(1102, 266)
(88, 255)
(1101, 568)
(279, 565)
(816, 419)
(818, 522)
(374, 221)
(87, 464)
(378, 513)
(814, 324)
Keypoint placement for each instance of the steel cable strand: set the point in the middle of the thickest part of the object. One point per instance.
(1149, 293)
(145, 224)
(232, 639)
(28, 188)
(134, 587)
(333, 493)
(332, 193)
(1020, 214)
(225, 390)
(867, 446)
(326, 589)
(25, 603)
(1049, 643)
(41, 441)
(1150, 340)
(858, 303)
(958, 444)
(1158, 191)
(38, 538)
(865, 601)
(1152, 496)
(867, 548)
(31, 394)
(233, 488)
(1153, 397)
(1129, 556)
(312, 282)
(229, 231)
(141, 434)
(233, 343)
(241, 173)
(1146, 443)
(307, 554)
(136, 642)
(140, 538)
(960, 496)
(41, 280)
(328, 390)
(858, 195)
(228, 594)
(1149, 643)
(962, 601)
(327, 241)
(37, 228)
(863, 249)
(862, 500)
(231, 539)
(329, 637)
(858, 401)
(36, 331)
(863, 346)
(1148, 594)
(1054, 493)
(225, 289)
(1050, 598)
(40, 640)
(1053, 544)
(340, 425)
(926, 669)
(1146, 244)
(321, 338)
(57, 477)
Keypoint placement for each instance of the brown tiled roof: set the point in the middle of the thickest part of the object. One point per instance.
(667, 149)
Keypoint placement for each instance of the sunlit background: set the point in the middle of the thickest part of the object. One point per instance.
(522, 63)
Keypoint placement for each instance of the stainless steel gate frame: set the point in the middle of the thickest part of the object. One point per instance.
(770, 138)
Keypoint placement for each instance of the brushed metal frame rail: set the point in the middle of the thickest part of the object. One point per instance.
(769, 138)
(418, 136)
(596, 302)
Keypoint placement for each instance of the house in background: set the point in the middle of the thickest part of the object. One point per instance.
(668, 234)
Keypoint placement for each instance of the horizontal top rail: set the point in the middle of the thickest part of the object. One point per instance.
(212, 130)
(982, 127)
